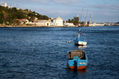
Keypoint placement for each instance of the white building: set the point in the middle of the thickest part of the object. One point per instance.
(23, 21)
(43, 23)
(5, 5)
(69, 24)
(58, 22)
(95, 24)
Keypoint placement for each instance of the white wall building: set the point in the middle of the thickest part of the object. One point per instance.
(43, 23)
(5, 5)
(69, 24)
(95, 24)
(58, 22)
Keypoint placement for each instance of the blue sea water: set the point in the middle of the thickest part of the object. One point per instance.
(40, 53)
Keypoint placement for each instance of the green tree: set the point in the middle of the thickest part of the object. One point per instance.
(11, 15)
(76, 21)
(1, 18)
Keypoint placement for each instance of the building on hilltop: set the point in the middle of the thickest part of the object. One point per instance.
(5, 5)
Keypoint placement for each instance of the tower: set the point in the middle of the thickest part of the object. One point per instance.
(90, 19)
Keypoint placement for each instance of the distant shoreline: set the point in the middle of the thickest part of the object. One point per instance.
(32, 26)
(44, 26)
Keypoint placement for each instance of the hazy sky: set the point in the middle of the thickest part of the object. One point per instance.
(99, 10)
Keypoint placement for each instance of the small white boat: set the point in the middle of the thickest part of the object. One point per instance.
(82, 43)
(79, 41)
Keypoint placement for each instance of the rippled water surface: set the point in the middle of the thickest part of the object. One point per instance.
(40, 53)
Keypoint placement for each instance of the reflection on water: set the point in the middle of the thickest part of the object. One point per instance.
(82, 47)
(80, 74)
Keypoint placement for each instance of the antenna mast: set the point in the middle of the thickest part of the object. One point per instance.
(90, 20)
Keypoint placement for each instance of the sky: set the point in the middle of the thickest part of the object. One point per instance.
(98, 10)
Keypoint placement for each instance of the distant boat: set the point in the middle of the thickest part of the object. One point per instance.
(77, 60)
(79, 41)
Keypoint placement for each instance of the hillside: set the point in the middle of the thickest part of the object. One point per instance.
(10, 16)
